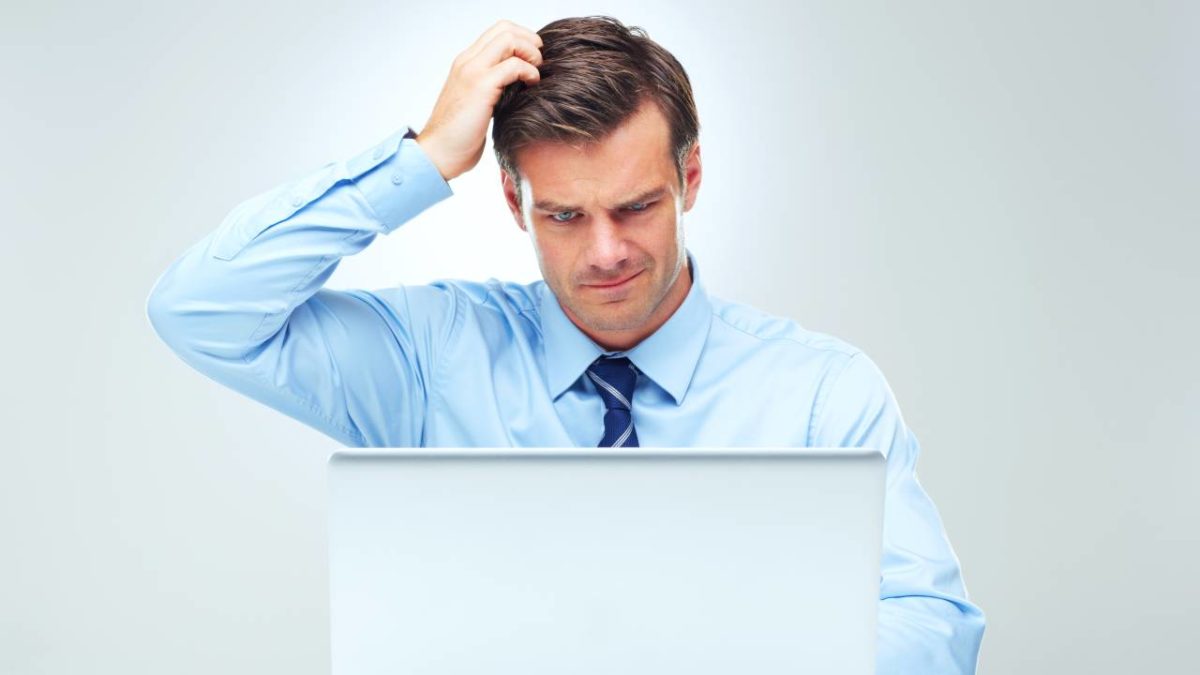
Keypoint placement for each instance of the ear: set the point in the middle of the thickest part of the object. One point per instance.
(692, 171)
(510, 197)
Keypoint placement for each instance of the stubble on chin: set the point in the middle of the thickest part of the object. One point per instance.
(610, 321)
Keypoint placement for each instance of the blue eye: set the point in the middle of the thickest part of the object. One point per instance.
(636, 207)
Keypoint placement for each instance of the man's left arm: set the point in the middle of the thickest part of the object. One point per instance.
(926, 622)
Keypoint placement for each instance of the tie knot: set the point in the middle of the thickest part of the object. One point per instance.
(614, 379)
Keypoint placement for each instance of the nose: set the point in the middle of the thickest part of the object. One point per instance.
(607, 249)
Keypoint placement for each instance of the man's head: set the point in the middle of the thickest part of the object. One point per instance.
(599, 161)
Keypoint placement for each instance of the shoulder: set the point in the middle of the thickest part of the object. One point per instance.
(778, 333)
(851, 396)
(838, 366)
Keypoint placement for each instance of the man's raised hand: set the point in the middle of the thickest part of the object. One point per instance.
(453, 138)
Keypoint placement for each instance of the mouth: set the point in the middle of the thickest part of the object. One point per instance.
(620, 283)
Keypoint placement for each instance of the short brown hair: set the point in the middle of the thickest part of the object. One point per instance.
(595, 73)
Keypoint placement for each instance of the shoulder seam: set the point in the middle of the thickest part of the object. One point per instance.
(819, 406)
(850, 352)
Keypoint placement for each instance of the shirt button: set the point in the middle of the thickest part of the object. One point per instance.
(397, 179)
(297, 200)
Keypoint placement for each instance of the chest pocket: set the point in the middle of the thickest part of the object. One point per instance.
(252, 217)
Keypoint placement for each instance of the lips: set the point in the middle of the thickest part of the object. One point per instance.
(615, 283)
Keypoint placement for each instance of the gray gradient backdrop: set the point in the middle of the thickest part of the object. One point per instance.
(996, 201)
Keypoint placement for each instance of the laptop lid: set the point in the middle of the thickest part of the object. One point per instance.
(588, 561)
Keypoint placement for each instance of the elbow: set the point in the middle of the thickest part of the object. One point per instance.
(158, 311)
(165, 316)
(966, 634)
(197, 314)
(180, 316)
(977, 623)
(941, 633)
(205, 311)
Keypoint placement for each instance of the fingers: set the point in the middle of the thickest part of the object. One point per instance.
(515, 68)
(500, 27)
(510, 54)
(507, 44)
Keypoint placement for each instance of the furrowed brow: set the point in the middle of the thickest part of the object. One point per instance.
(646, 196)
(555, 207)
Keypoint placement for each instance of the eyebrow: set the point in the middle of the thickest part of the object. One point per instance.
(551, 205)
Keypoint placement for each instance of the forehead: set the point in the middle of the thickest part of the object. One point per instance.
(634, 157)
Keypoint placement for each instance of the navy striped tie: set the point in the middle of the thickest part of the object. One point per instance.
(614, 379)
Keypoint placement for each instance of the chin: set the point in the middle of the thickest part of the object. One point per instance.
(628, 320)
(601, 320)
(609, 326)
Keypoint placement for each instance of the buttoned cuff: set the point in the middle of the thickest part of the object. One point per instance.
(397, 179)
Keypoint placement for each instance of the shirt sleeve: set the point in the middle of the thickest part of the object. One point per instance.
(926, 623)
(245, 305)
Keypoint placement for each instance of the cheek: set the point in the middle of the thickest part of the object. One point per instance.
(557, 255)
(662, 244)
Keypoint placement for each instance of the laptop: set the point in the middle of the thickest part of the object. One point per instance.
(629, 561)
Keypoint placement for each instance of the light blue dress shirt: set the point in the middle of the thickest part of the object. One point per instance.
(462, 363)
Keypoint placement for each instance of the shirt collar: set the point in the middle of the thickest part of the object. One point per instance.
(668, 356)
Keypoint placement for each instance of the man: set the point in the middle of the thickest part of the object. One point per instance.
(596, 131)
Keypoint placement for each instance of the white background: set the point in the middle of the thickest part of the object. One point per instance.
(997, 201)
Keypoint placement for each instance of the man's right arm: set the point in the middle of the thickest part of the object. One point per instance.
(246, 307)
